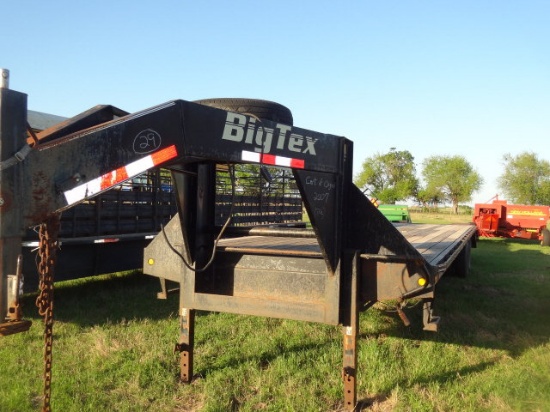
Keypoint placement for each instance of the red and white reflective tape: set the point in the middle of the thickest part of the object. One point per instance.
(107, 240)
(270, 159)
(119, 175)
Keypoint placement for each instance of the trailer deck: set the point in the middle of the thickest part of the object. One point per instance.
(436, 243)
(282, 272)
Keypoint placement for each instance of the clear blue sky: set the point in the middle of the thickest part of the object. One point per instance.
(469, 77)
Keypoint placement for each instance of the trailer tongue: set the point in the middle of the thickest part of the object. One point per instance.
(351, 258)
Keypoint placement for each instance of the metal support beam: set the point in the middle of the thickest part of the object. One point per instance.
(13, 121)
(206, 203)
(349, 371)
(186, 343)
(203, 249)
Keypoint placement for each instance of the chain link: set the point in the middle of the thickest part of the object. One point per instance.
(47, 250)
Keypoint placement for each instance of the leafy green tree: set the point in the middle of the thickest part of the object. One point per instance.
(389, 177)
(453, 177)
(526, 179)
(427, 197)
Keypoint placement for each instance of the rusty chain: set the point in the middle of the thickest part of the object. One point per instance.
(47, 250)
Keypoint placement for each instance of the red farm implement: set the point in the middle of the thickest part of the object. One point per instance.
(500, 219)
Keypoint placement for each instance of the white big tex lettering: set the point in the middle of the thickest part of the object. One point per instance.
(238, 128)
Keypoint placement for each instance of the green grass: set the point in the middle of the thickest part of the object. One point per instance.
(113, 349)
(440, 217)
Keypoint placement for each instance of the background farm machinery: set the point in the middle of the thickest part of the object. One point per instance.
(500, 219)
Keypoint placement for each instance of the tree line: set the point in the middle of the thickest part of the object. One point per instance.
(391, 177)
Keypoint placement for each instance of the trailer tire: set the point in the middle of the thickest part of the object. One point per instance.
(545, 237)
(263, 109)
(460, 268)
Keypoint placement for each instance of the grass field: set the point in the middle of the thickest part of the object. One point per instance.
(439, 217)
(113, 349)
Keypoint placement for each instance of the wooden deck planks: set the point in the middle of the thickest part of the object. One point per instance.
(433, 242)
(282, 244)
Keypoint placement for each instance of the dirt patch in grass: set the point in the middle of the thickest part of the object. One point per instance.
(381, 403)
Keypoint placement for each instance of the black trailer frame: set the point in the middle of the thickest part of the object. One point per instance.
(349, 259)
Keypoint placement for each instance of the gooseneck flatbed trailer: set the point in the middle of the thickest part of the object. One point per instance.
(350, 257)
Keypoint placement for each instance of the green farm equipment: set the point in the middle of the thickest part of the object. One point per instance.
(396, 213)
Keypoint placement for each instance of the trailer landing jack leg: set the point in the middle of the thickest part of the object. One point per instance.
(431, 322)
(349, 372)
(186, 344)
(349, 367)
(14, 322)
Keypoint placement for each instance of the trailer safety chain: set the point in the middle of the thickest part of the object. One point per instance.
(47, 251)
